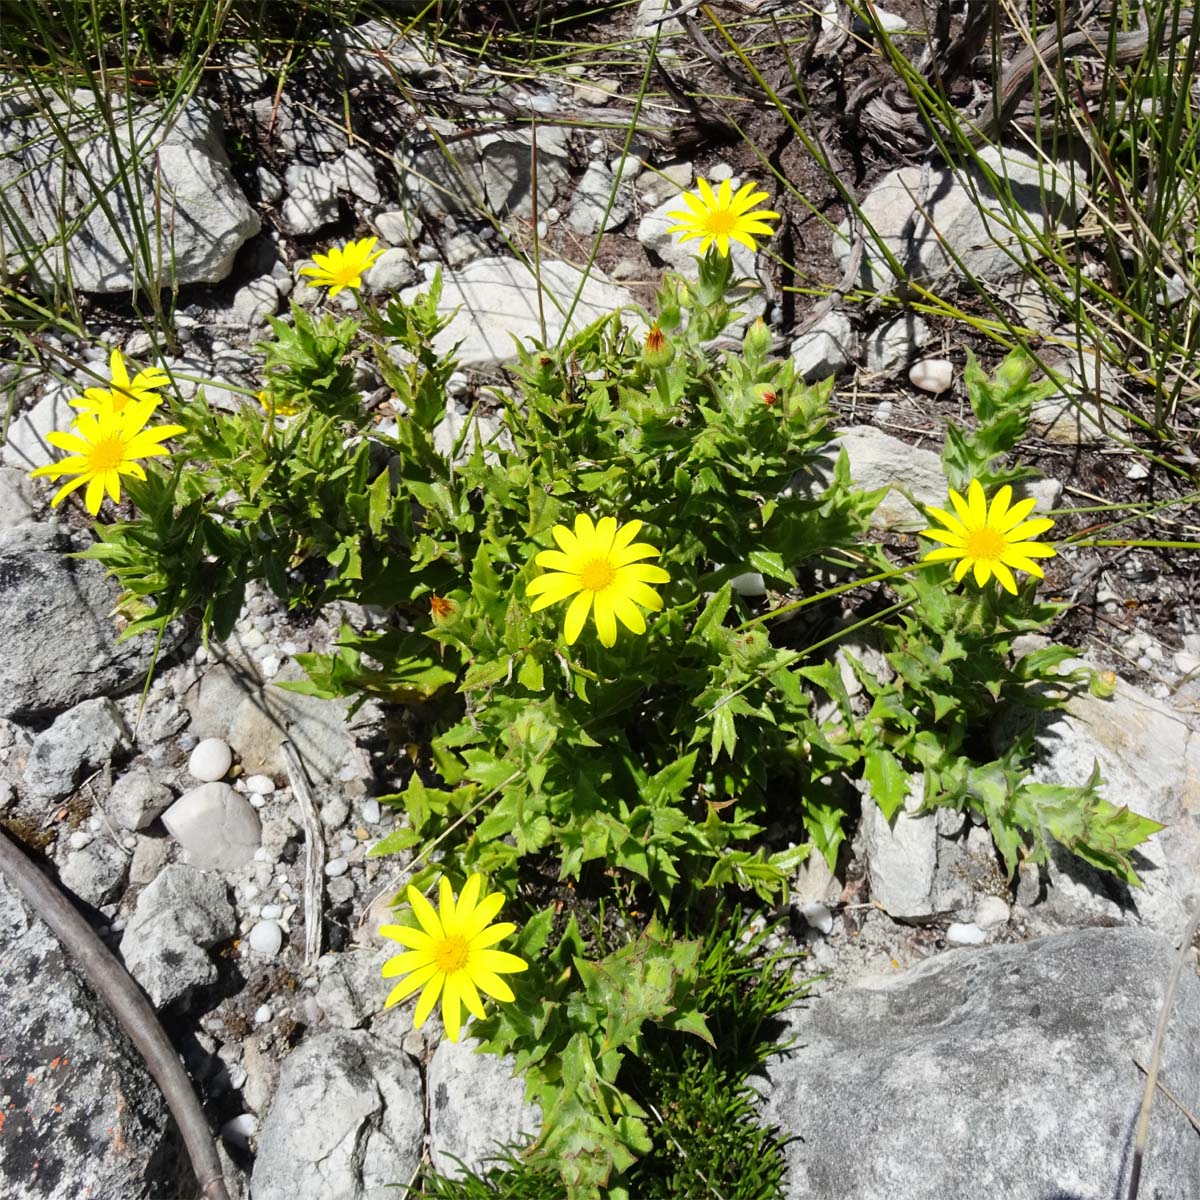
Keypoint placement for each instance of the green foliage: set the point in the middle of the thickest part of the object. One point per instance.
(696, 1134)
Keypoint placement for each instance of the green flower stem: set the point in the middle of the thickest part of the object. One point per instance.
(796, 605)
(662, 385)
(1144, 543)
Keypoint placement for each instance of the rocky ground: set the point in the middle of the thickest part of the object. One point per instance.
(1007, 1017)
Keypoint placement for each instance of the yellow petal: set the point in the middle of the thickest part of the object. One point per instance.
(428, 999)
(451, 1009)
(402, 964)
(446, 908)
(468, 898)
(482, 916)
(415, 939)
(492, 985)
(497, 962)
(576, 616)
(606, 624)
(424, 913)
(1002, 573)
(470, 996)
(407, 986)
(550, 589)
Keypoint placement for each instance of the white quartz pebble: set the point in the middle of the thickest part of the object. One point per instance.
(932, 375)
(210, 760)
(262, 1014)
(240, 1130)
(266, 938)
(991, 912)
(336, 866)
(371, 812)
(965, 935)
(272, 912)
(817, 916)
(260, 785)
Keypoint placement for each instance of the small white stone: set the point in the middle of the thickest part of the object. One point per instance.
(552, 215)
(210, 761)
(249, 892)
(266, 938)
(932, 375)
(818, 916)
(991, 912)
(252, 639)
(272, 912)
(371, 812)
(336, 866)
(348, 843)
(1186, 662)
(271, 665)
(240, 1130)
(262, 1014)
(960, 934)
(257, 801)
(749, 584)
(95, 824)
(79, 839)
(260, 785)
(237, 1077)
(719, 171)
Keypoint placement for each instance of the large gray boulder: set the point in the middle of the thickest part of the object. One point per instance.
(476, 1108)
(1008, 1071)
(493, 300)
(56, 629)
(346, 1122)
(165, 171)
(81, 1117)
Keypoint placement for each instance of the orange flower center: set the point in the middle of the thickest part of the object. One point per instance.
(655, 339)
(597, 575)
(451, 954)
(441, 607)
(720, 222)
(984, 543)
(107, 455)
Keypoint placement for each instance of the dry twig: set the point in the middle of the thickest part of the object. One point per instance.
(314, 853)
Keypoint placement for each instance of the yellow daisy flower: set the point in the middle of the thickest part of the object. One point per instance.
(276, 408)
(343, 266)
(995, 540)
(105, 445)
(143, 386)
(721, 216)
(451, 955)
(598, 564)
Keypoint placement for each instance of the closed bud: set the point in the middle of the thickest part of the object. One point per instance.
(757, 341)
(659, 351)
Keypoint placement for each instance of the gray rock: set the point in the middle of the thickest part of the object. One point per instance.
(298, 132)
(464, 246)
(496, 299)
(26, 446)
(216, 826)
(399, 228)
(1019, 1061)
(351, 989)
(255, 301)
(346, 1122)
(490, 173)
(665, 181)
(476, 1106)
(177, 917)
(392, 271)
(375, 49)
(894, 342)
(16, 496)
(60, 644)
(913, 863)
(96, 872)
(190, 207)
(825, 349)
(592, 195)
(919, 211)
(312, 199)
(1073, 416)
(256, 718)
(80, 740)
(150, 855)
(1149, 757)
(81, 1115)
(138, 798)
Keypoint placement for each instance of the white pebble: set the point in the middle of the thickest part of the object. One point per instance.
(79, 839)
(237, 1077)
(249, 891)
(991, 912)
(260, 785)
(272, 912)
(817, 916)
(270, 666)
(95, 824)
(240, 1130)
(257, 801)
(266, 938)
(1186, 662)
(932, 375)
(210, 761)
(371, 812)
(252, 639)
(719, 171)
(336, 866)
(348, 843)
(130, 843)
(965, 935)
(552, 215)
(262, 1015)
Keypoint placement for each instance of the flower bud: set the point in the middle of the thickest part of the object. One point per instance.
(757, 342)
(659, 351)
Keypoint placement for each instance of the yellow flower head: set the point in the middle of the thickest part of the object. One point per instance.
(450, 955)
(105, 445)
(721, 216)
(276, 408)
(143, 386)
(598, 564)
(993, 540)
(343, 266)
